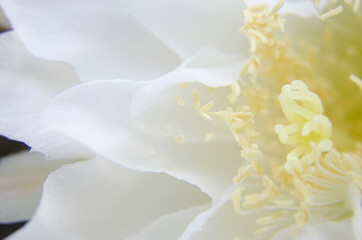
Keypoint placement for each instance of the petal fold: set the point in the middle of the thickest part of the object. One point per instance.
(27, 83)
(98, 199)
(21, 179)
(99, 39)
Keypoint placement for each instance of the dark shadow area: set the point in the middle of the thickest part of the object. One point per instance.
(7, 229)
(8, 147)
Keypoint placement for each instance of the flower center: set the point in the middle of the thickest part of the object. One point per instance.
(309, 175)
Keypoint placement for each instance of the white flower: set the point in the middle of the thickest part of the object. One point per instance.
(293, 160)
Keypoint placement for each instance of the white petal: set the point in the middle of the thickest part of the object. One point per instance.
(170, 226)
(198, 223)
(105, 125)
(21, 179)
(98, 199)
(187, 25)
(27, 84)
(98, 38)
(156, 111)
(225, 223)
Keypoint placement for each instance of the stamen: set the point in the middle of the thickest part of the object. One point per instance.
(196, 95)
(258, 7)
(184, 85)
(331, 13)
(179, 139)
(180, 101)
(207, 107)
(209, 136)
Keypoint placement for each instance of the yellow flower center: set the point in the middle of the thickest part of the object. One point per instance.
(309, 174)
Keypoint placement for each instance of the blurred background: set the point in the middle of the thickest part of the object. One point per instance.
(7, 146)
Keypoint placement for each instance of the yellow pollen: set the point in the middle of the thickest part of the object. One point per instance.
(277, 7)
(236, 199)
(179, 139)
(184, 85)
(331, 13)
(209, 136)
(356, 80)
(258, 7)
(207, 107)
(180, 101)
(196, 95)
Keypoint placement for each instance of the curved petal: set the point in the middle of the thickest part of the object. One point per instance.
(186, 25)
(97, 37)
(27, 84)
(21, 179)
(105, 125)
(170, 226)
(156, 111)
(198, 223)
(98, 199)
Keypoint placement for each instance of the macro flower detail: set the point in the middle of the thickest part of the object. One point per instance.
(213, 138)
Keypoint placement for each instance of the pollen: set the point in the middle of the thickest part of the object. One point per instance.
(180, 101)
(209, 136)
(331, 13)
(197, 103)
(184, 85)
(179, 139)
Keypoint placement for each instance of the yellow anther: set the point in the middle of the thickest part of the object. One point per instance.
(270, 187)
(331, 13)
(235, 87)
(207, 106)
(184, 85)
(270, 219)
(180, 101)
(209, 136)
(196, 95)
(236, 197)
(179, 139)
(205, 115)
(257, 167)
(259, 36)
(258, 7)
(277, 7)
(243, 173)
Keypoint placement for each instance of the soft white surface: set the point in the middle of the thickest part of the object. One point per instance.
(169, 226)
(98, 38)
(21, 179)
(27, 84)
(97, 199)
(98, 115)
(187, 25)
